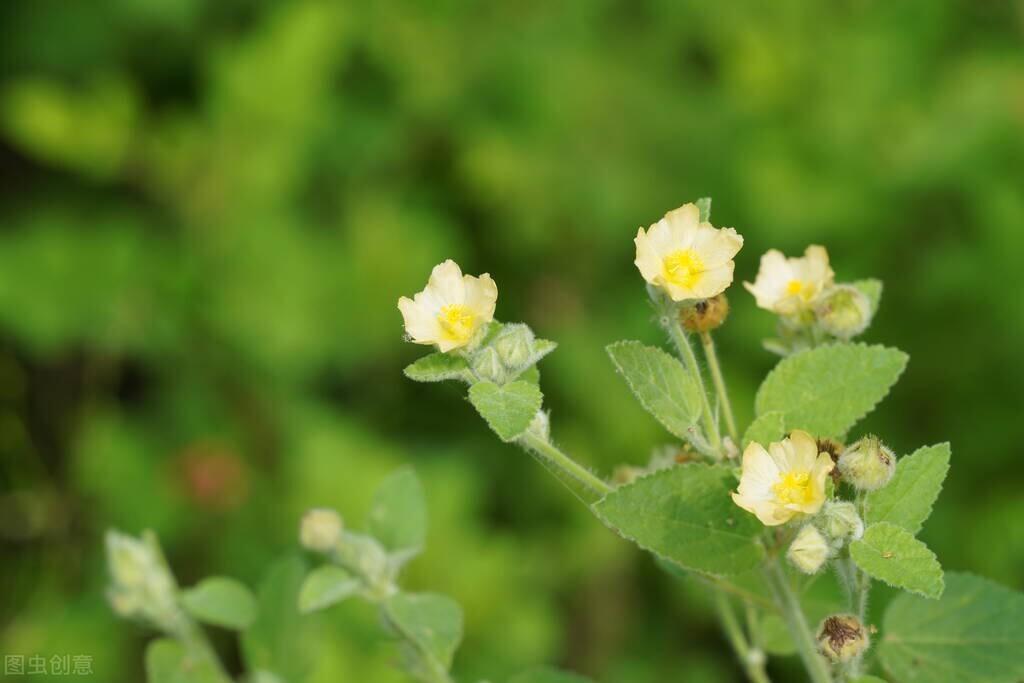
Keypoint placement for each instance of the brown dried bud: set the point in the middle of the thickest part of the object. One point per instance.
(834, 450)
(705, 315)
(842, 637)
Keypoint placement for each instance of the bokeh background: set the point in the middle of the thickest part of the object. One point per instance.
(208, 210)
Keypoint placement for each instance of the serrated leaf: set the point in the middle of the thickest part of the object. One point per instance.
(891, 554)
(685, 514)
(438, 367)
(326, 586)
(908, 498)
(973, 634)
(766, 429)
(432, 623)
(168, 662)
(661, 384)
(508, 409)
(828, 389)
(221, 601)
(872, 289)
(398, 514)
(548, 675)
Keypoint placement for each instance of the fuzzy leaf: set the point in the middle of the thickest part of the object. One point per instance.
(828, 389)
(872, 289)
(908, 498)
(398, 514)
(326, 586)
(508, 409)
(168, 662)
(661, 384)
(222, 602)
(548, 675)
(432, 622)
(973, 634)
(437, 367)
(685, 514)
(766, 429)
(891, 554)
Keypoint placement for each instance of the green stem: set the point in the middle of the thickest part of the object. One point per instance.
(577, 478)
(675, 330)
(751, 660)
(719, 381)
(806, 645)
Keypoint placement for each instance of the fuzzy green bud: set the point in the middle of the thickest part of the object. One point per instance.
(809, 550)
(141, 586)
(844, 312)
(868, 464)
(842, 638)
(487, 365)
(514, 346)
(840, 522)
(320, 530)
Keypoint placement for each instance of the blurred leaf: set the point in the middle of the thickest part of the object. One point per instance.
(547, 675)
(908, 498)
(891, 554)
(221, 601)
(872, 289)
(432, 623)
(398, 514)
(325, 586)
(278, 641)
(704, 206)
(661, 384)
(685, 514)
(508, 409)
(766, 429)
(775, 636)
(972, 634)
(168, 662)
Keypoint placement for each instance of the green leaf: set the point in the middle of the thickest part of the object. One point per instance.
(775, 636)
(222, 602)
(326, 586)
(766, 429)
(685, 514)
(973, 634)
(828, 389)
(867, 679)
(548, 675)
(398, 514)
(437, 367)
(908, 498)
(432, 623)
(872, 289)
(704, 206)
(280, 640)
(891, 554)
(661, 384)
(168, 662)
(508, 409)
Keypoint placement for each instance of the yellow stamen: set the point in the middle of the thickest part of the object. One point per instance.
(794, 287)
(683, 268)
(457, 322)
(795, 488)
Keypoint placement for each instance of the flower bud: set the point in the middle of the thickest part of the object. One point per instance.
(844, 312)
(868, 464)
(141, 586)
(842, 638)
(487, 365)
(320, 529)
(840, 521)
(809, 550)
(705, 315)
(514, 345)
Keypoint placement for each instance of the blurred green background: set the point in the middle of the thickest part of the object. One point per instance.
(208, 210)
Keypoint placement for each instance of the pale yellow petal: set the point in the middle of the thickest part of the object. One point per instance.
(648, 260)
(446, 284)
(804, 450)
(481, 297)
(683, 223)
(714, 281)
(716, 246)
(420, 321)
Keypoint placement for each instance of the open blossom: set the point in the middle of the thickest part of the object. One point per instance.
(451, 309)
(784, 480)
(685, 257)
(789, 286)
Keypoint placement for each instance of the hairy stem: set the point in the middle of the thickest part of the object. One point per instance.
(752, 659)
(675, 330)
(716, 376)
(817, 668)
(577, 478)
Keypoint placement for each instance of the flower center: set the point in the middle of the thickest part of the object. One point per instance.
(683, 268)
(794, 287)
(794, 488)
(457, 322)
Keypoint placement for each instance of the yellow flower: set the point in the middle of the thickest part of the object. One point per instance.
(451, 309)
(783, 481)
(789, 286)
(685, 257)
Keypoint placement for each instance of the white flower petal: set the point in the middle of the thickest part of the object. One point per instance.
(420, 322)
(446, 284)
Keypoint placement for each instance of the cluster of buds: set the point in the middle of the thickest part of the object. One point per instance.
(142, 587)
(810, 304)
